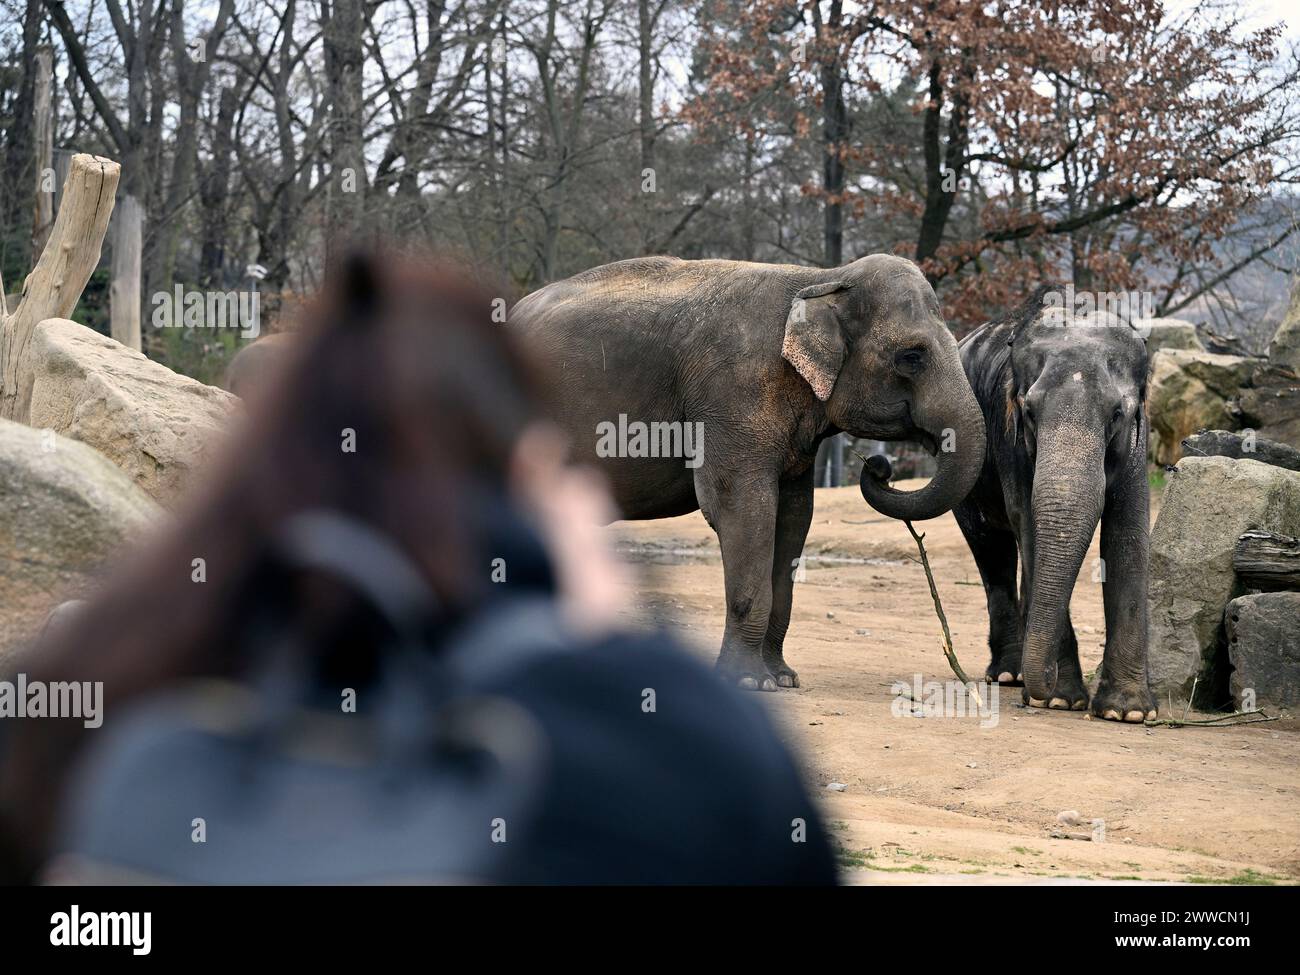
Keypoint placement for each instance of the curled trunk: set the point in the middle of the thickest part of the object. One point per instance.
(959, 423)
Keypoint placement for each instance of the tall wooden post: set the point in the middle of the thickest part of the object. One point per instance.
(124, 291)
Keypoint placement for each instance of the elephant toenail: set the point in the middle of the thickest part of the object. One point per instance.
(785, 680)
(1004, 677)
(1134, 716)
(1151, 715)
(1058, 703)
(1111, 714)
(769, 684)
(748, 684)
(1079, 705)
(1035, 702)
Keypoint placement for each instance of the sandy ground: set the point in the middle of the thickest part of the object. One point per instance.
(935, 799)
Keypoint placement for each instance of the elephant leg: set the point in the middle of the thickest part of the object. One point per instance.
(994, 550)
(743, 510)
(793, 516)
(1124, 684)
(1069, 692)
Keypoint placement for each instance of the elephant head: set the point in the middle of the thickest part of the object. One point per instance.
(1076, 402)
(873, 346)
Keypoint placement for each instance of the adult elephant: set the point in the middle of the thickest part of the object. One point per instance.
(1063, 397)
(763, 362)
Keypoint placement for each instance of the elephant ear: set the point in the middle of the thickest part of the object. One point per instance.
(814, 343)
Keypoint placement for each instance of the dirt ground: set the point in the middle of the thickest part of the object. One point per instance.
(934, 799)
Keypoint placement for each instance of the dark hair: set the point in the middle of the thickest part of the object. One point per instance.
(405, 360)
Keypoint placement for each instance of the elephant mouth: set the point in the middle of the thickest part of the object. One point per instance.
(927, 441)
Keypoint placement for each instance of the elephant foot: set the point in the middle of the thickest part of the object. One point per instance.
(1008, 676)
(1131, 703)
(786, 676)
(747, 672)
(1069, 694)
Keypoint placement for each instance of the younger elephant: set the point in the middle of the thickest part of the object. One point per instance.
(1064, 404)
(255, 365)
(752, 366)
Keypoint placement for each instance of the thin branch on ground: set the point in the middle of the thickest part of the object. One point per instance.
(943, 619)
(1256, 716)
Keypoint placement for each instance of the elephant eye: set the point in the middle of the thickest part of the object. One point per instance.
(1118, 414)
(910, 360)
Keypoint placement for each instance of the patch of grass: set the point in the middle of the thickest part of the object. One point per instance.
(1156, 478)
(1247, 878)
(1123, 876)
(851, 858)
(914, 868)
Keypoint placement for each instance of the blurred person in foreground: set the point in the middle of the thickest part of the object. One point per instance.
(403, 661)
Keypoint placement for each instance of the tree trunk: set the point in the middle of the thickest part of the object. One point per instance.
(835, 125)
(646, 117)
(344, 29)
(124, 292)
(214, 192)
(43, 150)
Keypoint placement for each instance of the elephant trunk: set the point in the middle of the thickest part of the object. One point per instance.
(957, 427)
(1068, 494)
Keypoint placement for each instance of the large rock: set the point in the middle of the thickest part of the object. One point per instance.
(1271, 406)
(1264, 646)
(1209, 502)
(63, 508)
(153, 423)
(1190, 391)
(1272, 403)
(1168, 333)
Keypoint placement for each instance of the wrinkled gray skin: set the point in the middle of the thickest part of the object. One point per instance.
(771, 359)
(1064, 405)
(255, 364)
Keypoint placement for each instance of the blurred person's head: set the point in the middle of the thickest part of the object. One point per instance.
(404, 407)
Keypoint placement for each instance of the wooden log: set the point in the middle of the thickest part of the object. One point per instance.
(1267, 561)
(56, 282)
(1222, 443)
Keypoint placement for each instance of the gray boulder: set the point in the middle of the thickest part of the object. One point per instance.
(1272, 403)
(1263, 633)
(1168, 333)
(63, 509)
(1209, 503)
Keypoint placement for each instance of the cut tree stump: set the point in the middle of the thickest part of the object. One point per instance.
(1267, 561)
(56, 282)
